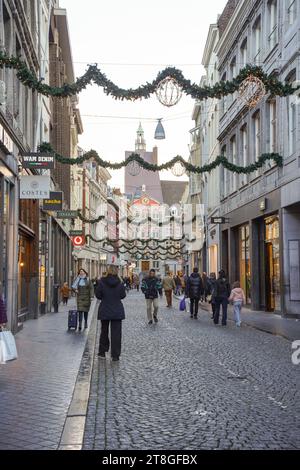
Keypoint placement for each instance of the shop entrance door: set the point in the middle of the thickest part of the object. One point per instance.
(272, 265)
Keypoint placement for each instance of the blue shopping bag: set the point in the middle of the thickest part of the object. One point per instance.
(182, 305)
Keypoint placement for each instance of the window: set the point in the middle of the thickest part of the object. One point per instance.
(232, 75)
(224, 101)
(257, 41)
(256, 135)
(292, 117)
(223, 174)
(244, 53)
(272, 125)
(291, 11)
(233, 176)
(272, 23)
(244, 151)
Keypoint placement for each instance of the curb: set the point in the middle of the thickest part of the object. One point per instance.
(74, 427)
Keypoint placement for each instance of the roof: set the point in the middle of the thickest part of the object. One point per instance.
(173, 191)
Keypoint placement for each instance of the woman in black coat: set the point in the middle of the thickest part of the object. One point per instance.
(110, 290)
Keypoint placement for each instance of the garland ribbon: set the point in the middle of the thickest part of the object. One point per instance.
(94, 75)
(45, 147)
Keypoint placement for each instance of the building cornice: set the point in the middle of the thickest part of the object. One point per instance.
(210, 44)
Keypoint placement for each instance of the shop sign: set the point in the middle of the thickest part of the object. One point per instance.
(78, 240)
(218, 220)
(54, 202)
(76, 233)
(34, 187)
(38, 161)
(67, 214)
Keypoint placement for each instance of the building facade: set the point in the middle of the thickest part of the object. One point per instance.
(24, 122)
(260, 242)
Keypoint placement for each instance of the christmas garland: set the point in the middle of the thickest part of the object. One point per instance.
(128, 241)
(45, 147)
(90, 221)
(94, 75)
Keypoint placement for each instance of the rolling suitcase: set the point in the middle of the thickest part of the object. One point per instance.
(72, 319)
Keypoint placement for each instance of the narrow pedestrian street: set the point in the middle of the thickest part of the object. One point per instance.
(187, 384)
(180, 384)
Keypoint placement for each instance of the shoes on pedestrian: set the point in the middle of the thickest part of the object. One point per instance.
(115, 359)
(150, 322)
(85, 325)
(155, 319)
(192, 316)
(102, 355)
(79, 328)
(195, 317)
(238, 324)
(224, 324)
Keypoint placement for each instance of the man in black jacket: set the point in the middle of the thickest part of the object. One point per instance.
(194, 290)
(151, 287)
(222, 296)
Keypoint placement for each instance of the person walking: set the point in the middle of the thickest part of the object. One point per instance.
(223, 293)
(178, 284)
(151, 287)
(111, 291)
(194, 290)
(168, 286)
(65, 293)
(237, 297)
(212, 284)
(205, 286)
(3, 314)
(84, 290)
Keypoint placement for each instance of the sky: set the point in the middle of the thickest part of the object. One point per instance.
(131, 41)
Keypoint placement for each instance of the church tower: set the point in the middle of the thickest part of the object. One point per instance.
(140, 143)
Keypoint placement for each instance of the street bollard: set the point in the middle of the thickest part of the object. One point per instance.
(55, 297)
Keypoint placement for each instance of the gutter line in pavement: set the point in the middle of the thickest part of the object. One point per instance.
(74, 427)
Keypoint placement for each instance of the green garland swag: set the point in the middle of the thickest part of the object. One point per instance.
(90, 221)
(45, 147)
(126, 241)
(94, 74)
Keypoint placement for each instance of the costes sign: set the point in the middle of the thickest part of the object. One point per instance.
(38, 161)
(34, 187)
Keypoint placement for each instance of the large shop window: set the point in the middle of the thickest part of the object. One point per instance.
(244, 259)
(4, 235)
(272, 264)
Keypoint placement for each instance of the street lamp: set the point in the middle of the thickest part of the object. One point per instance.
(159, 131)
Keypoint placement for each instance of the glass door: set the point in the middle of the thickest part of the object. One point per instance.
(273, 297)
(244, 261)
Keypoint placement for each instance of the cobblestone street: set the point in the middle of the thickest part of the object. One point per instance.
(187, 384)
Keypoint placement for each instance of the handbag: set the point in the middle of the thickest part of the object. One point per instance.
(182, 305)
(8, 349)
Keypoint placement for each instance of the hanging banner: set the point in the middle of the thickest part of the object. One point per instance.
(34, 187)
(38, 161)
(54, 202)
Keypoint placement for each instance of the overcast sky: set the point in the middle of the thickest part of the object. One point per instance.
(132, 41)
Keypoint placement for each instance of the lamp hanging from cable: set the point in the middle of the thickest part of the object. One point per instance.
(159, 131)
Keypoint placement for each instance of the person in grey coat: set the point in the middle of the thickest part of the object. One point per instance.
(110, 290)
(85, 292)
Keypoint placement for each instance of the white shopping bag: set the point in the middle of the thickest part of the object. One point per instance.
(8, 349)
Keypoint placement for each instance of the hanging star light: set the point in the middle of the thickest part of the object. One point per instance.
(178, 169)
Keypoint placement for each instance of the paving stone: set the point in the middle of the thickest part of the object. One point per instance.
(171, 389)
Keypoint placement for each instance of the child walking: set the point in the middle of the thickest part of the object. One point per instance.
(237, 297)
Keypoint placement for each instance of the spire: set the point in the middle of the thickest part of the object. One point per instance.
(140, 143)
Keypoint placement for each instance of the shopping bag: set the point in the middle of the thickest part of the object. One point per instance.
(8, 349)
(182, 305)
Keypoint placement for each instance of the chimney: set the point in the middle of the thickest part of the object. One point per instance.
(155, 156)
